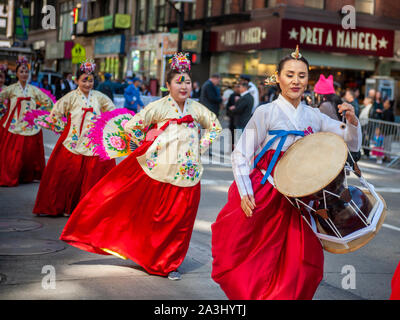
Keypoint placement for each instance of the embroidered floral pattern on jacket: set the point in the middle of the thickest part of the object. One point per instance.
(188, 168)
(152, 162)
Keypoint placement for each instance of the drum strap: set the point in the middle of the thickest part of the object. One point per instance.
(282, 134)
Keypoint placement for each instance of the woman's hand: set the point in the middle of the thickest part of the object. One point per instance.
(350, 114)
(248, 204)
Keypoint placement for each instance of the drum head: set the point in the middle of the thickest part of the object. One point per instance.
(356, 244)
(310, 164)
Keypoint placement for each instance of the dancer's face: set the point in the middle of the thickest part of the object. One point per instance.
(85, 83)
(23, 73)
(180, 90)
(293, 80)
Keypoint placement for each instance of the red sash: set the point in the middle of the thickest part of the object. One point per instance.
(18, 108)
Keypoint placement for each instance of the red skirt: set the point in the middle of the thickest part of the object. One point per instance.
(395, 295)
(68, 177)
(273, 255)
(135, 217)
(21, 158)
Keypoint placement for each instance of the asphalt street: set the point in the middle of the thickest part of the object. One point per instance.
(34, 264)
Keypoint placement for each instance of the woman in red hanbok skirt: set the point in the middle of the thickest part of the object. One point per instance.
(261, 246)
(145, 208)
(73, 169)
(395, 294)
(21, 146)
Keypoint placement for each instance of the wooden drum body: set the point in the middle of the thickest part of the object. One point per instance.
(312, 175)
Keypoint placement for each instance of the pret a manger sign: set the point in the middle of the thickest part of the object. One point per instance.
(330, 37)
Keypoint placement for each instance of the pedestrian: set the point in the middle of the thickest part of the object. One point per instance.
(391, 131)
(226, 94)
(329, 101)
(377, 141)
(196, 90)
(3, 76)
(330, 106)
(132, 96)
(107, 87)
(387, 113)
(242, 108)
(234, 97)
(350, 97)
(210, 95)
(72, 168)
(21, 148)
(68, 83)
(58, 92)
(34, 81)
(377, 106)
(45, 85)
(253, 91)
(261, 246)
(145, 208)
(144, 91)
(365, 115)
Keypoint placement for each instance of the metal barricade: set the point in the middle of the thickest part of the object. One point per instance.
(381, 138)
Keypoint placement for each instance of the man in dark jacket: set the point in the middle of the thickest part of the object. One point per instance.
(243, 107)
(210, 95)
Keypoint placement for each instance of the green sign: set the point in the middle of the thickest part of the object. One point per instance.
(100, 24)
(22, 23)
(78, 54)
(122, 21)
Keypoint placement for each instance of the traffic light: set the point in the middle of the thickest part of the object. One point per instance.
(194, 57)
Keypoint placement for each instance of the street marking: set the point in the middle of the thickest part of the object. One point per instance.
(202, 225)
(209, 182)
(388, 190)
(49, 146)
(390, 227)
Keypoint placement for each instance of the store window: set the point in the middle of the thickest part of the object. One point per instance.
(248, 5)
(269, 3)
(66, 21)
(192, 10)
(151, 18)
(160, 13)
(365, 6)
(209, 8)
(141, 15)
(227, 6)
(121, 6)
(318, 4)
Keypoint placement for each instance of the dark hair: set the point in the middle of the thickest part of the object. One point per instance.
(20, 65)
(80, 72)
(171, 74)
(284, 60)
(289, 57)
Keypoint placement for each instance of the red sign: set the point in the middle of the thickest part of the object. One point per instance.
(333, 38)
(246, 36)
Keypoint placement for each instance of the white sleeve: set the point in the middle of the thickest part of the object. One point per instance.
(350, 133)
(242, 156)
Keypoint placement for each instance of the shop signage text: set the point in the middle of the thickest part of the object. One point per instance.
(330, 37)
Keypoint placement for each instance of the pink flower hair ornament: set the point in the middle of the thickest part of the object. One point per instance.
(88, 66)
(180, 62)
(22, 61)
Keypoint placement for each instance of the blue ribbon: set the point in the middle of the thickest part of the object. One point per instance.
(282, 134)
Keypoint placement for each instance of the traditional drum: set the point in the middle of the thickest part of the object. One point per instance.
(312, 175)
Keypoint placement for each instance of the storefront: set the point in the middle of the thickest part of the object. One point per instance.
(58, 56)
(255, 48)
(149, 54)
(109, 54)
